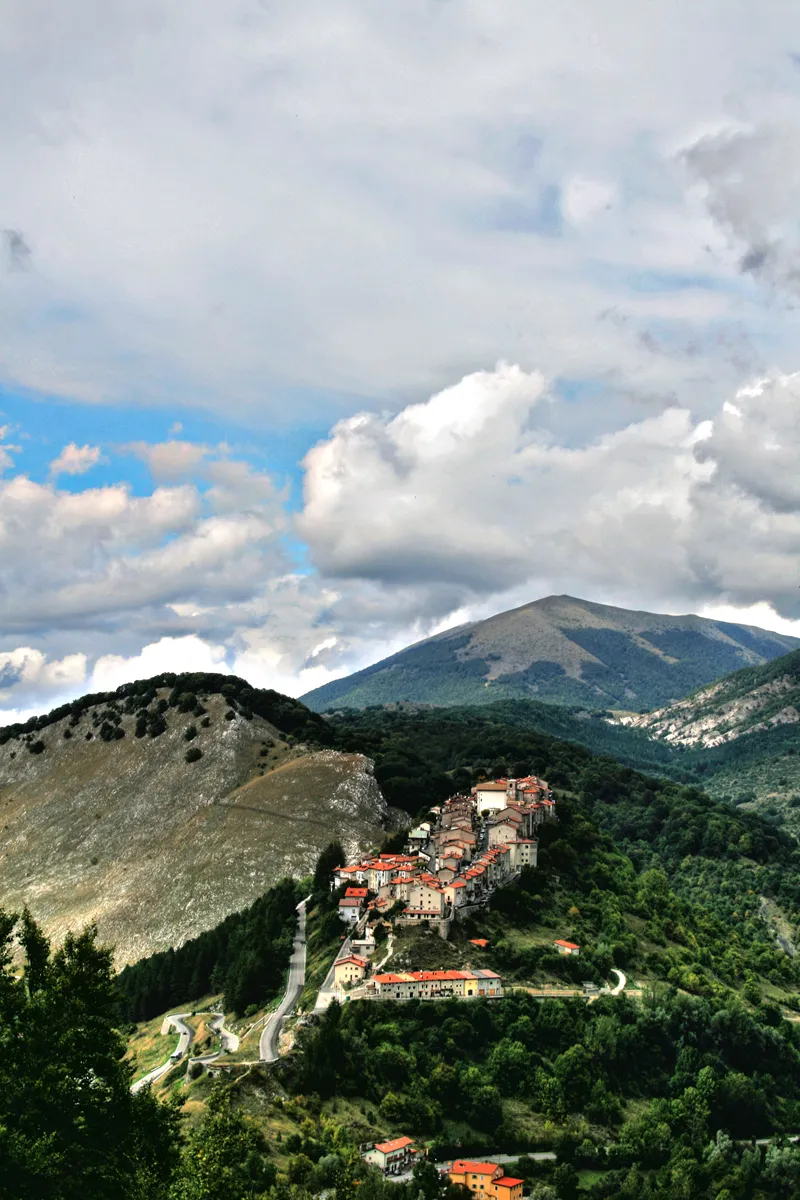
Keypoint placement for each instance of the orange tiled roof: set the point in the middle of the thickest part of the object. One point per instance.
(398, 1144)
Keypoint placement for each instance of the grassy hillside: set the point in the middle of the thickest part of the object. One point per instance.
(563, 650)
(102, 818)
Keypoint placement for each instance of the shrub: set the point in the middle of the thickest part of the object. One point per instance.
(36, 747)
(190, 733)
(193, 754)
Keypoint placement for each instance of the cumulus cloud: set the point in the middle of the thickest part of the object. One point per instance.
(75, 460)
(27, 674)
(167, 654)
(170, 460)
(76, 559)
(669, 510)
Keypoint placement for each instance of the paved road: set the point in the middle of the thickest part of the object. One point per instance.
(327, 992)
(228, 1043)
(184, 1042)
(268, 1046)
(622, 981)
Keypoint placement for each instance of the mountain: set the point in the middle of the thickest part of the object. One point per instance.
(564, 650)
(102, 818)
(743, 730)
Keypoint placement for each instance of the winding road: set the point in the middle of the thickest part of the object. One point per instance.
(268, 1045)
(185, 1038)
(228, 1043)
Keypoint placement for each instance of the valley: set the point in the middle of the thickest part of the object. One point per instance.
(603, 910)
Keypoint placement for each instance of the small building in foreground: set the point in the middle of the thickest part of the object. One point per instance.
(566, 947)
(349, 970)
(394, 1157)
(486, 1180)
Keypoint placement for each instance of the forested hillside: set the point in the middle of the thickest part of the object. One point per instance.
(244, 957)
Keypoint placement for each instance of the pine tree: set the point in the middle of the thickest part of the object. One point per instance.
(69, 1127)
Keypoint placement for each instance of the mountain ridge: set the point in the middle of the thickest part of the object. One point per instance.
(156, 813)
(560, 649)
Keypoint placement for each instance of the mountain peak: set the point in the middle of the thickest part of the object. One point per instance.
(562, 649)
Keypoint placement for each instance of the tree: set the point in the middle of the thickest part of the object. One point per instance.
(69, 1127)
(332, 856)
(223, 1159)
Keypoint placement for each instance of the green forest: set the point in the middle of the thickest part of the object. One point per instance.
(656, 1095)
(244, 957)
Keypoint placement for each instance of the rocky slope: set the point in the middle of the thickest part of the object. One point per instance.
(749, 701)
(564, 650)
(122, 830)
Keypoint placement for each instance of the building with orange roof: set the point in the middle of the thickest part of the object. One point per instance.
(394, 1157)
(351, 907)
(435, 985)
(349, 970)
(566, 947)
(486, 1180)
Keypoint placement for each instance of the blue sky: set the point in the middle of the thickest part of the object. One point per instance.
(322, 331)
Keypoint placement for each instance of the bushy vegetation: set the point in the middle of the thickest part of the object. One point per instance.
(140, 698)
(245, 957)
(69, 1127)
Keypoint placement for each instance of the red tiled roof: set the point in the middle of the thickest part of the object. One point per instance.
(353, 958)
(460, 1167)
(507, 1181)
(567, 945)
(482, 942)
(353, 891)
(350, 902)
(398, 1144)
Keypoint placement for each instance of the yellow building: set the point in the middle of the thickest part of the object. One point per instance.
(349, 970)
(486, 1180)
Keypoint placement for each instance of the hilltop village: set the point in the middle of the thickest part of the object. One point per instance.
(451, 865)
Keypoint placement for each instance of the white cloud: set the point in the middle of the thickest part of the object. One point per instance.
(586, 198)
(668, 511)
(167, 654)
(171, 460)
(224, 202)
(75, 460)
(751, 184)
(102, 553)
(762, 615)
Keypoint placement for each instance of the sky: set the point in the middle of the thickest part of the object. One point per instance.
(324, 327)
